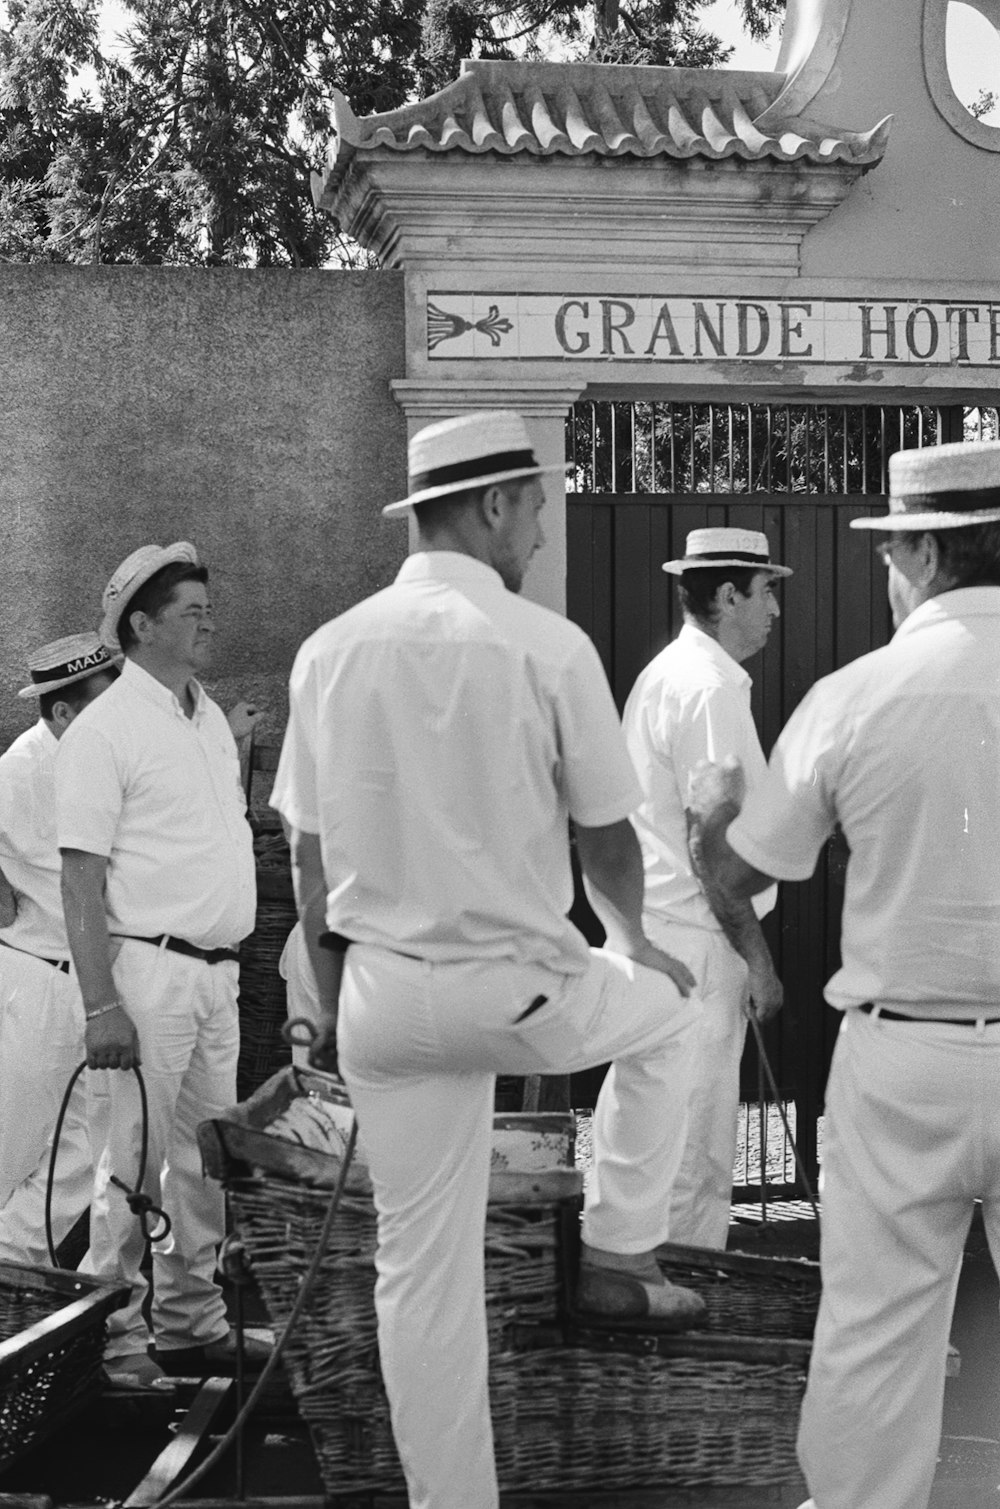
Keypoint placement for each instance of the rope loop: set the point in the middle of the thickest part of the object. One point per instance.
(142, 1207)
(139, 1203)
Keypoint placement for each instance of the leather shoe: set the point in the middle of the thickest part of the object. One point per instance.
(217, 1358)
(623, 1300)
(135, 1370)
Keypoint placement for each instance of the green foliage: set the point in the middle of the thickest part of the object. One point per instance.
(191, 139)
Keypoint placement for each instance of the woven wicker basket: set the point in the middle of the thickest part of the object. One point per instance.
(263, 1002)
(571, 1407)
(51, 1345)
(564, 1416)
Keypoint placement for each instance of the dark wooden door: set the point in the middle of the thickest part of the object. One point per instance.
(833, 609)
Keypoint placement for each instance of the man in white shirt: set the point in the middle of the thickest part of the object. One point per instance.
(690, 704)
(901, 748)
(441, 735)
(158, 890)
(41, 1014)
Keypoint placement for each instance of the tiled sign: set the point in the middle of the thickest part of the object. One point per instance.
(617, 327)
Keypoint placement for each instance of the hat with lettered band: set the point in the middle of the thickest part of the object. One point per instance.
(706, 548)
(471, 450)
(133, 573)
(941, 487)
(64, 661)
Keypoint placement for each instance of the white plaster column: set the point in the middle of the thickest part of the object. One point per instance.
(544, 407)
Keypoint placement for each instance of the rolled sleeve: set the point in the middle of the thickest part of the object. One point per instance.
(598, 777)
(89, 791)
(787, 819)
(295, 793)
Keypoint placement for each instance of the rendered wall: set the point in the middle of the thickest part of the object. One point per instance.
(929, 211)
(248, 411)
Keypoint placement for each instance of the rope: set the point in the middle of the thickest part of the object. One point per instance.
(138, 1202)
(779, 1102)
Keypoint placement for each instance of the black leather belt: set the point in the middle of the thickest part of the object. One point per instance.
(948, 1021)
(181, 946)
(61, 964)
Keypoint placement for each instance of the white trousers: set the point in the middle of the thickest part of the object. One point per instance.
(912, 1139)
(41, 1043)
(185, 1013)
(420, 1045)
(703, 1191)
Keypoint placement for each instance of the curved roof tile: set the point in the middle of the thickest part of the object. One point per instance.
(574, 109)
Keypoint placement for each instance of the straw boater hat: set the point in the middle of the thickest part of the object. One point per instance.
(726, 547)
(472, 450)
(942, 487)
(133, 573)
(66, 660)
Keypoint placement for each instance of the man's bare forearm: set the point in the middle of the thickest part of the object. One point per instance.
(611, 860)
(83, 877)
(310, 894)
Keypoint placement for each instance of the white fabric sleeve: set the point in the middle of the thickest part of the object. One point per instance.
(787, 819)
(711, 726)
(598, 778)
(90, 786)
(294, 794)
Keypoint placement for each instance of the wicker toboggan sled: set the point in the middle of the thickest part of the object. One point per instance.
(571, 1406)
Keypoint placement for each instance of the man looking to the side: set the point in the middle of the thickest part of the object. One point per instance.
(41, 1014)
(691, 704)
(902, 749)
(442, 733)
(158, 889)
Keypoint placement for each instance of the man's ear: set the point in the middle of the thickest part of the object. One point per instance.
(927, 555)
(725, 597)
(61, 714)
(492, 508)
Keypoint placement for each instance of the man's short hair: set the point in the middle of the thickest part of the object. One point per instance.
(436, 513)
(970, 555)
(77, 694)
(155, 595)
(697, 588)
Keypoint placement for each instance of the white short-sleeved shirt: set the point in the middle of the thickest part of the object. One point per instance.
(441, 733)
(29, 853)
(902, 749)
(159, 795)
(691, 703)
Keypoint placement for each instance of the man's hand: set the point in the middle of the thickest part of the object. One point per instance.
(323, 1048)
(767, 993)
(711, 786)
(654, 958)
(112, 1041)
(242, 719)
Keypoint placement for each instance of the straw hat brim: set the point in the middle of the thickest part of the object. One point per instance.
(425, 494)
(894, 523)
(677, 568)
(39, 688)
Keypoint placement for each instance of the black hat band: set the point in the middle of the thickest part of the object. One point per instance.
(967, 501)
(81, 665)
(468, 471)
(730, 555)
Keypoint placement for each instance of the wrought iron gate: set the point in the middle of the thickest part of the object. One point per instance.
(643, 475)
